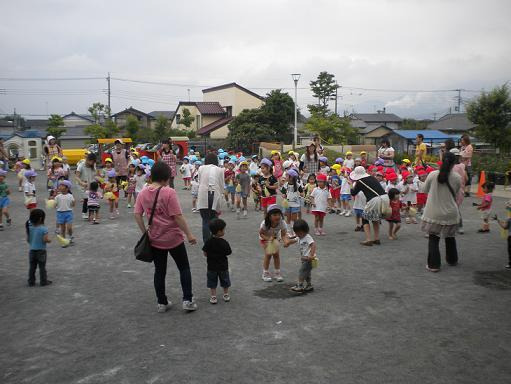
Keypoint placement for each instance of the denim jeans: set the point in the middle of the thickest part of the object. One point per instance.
(160, 271)
(37, 258)
(207, 215)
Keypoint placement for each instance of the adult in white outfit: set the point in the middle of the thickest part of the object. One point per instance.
(211, 191)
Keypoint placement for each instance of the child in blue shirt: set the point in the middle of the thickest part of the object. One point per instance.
(37, 237)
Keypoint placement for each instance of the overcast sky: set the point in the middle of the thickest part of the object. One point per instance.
(376, 44)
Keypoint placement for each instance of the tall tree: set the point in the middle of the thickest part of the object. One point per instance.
(278, 111)
(332, 128)
(248, 127)
(187, 119)
(56, 126)
(323, 88)
(161, 129)
(132, 127)
(98, 111)
(491, 112)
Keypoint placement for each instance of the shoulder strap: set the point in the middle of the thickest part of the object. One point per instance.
(376, 193)
(450, 189)
(154, 206)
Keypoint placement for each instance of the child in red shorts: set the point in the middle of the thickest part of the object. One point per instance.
(268, 185)
(320, 197)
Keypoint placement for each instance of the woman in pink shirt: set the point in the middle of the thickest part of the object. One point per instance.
(167, 234)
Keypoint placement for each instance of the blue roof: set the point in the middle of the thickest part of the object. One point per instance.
(429, 134)
(30, 134)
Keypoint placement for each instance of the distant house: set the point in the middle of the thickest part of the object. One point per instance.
(144, 119)
(167, 114)
(27, 144)
(375, 120)
(453, 123)
(219, 107)
(76, 120)
(404, 141)
(373, 135)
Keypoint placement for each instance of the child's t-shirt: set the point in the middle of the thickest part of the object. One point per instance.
(29, 188)
(3, 189)
(187, 170)
(409, 193)
(36, 237)
(292, 193)
(64, 202)
(345, 186)
(273, 232)
(305, 245)
(217, 250)
(488, 199)
(349, 163)
(93, 198)
(395, 205)
(272, 181)
(398, 186)
(140, 182)
(360, 201)
(253, 168)
(321, 196)
(244, 180)
(421, 186)
(228, 176)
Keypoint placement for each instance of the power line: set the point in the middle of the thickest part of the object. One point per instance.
(49, 78)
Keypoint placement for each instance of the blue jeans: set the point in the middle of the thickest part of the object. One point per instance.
(207, 215)
(160, 271)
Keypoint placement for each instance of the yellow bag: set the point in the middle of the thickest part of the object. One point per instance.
(504, 233)
(315, 262)
(266, 192)
(109, 196)
(238, 188)
(63, 242)
(412, 211)
(50, 204)
(272, 247)
(285, 204)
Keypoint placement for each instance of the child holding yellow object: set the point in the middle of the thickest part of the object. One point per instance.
(273, 229)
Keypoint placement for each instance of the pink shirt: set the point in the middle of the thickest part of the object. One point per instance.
(164, 232)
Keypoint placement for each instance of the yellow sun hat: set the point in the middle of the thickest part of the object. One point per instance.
(275, 152)
(405, 161)
(136, 153)
(349, 153)
(108, 160)
(56, 158)
(26, 161)
(243, 163)
(363, 153)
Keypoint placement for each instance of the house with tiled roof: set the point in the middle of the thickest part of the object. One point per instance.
(145, 120)
(375, 120)
(219, 107)
(453, 123)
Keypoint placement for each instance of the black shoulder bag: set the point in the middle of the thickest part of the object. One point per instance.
(143, 251)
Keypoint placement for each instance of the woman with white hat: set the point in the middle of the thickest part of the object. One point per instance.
(377, 202)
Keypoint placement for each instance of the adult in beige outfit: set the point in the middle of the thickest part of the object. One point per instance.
(441, 214)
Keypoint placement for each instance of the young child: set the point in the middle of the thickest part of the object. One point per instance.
(345, 195)
(273, 229)
(292, 192)
(392, 182)
(335, 192)
(29, 190)
(256, 194)
(358, 208)
(379, 177)
(37, 237)
(64, 203)
(21, 173)
(320, 196)
(268, 185)
(242, 189)
(363, 159)
(230, 189)
(485, 206)
(307, 254)
(113, 194)
(4, 200)
(132, 184)
(194, 190)
(140, 180)
(216, 249)
(323, 165)
(55, 172)
(395, 218)
(506, 224)
(349, 162)
(309, 187)
(409, 197)
(422, 196)
(186, 171)
(277, 164)
(94, 196)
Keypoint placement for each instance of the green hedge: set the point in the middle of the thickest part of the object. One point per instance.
(490, 163)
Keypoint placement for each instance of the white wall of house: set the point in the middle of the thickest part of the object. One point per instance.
(235, 98)
(73, 121)
(29, 148)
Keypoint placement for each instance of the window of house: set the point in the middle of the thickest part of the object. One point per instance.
(229, 111)
(178, 118)
(33, 153)
(32, 143)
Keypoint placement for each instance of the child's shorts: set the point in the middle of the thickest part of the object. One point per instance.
(187, 178)
(195, 194)
(292, 210)
(243, 195)
(93, 208)
(222, 276)
(267, 201)
(358, 212)
(31, 205)
(4, 202)
(230, 189)
(485, 215)
(64, 217)
(319, 213)
(336, 193)
(345, 197)
(422, 198)
(394, 221)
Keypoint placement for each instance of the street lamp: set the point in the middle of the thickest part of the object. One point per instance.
(296, 77)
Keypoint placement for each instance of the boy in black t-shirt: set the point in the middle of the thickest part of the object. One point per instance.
(216, 251)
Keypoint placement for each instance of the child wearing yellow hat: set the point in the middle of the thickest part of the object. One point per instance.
(25, 166)
(349, 162)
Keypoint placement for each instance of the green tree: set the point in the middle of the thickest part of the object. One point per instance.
(491, 112)
(56, 126)
(332, 128)
(412, 124)
(248, 127)
(98, 111)
(132, 127)
(278, 111)
(187, 119)
(161, 129)
(323, 88)
(97, 131)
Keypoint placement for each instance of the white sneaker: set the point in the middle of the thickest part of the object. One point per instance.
(213, 300)
(85, 216)
(347, 214)
(189, 305)
(266, 277)
(342, 212)
(233, 209)
(20, 189)
(238, 213)
(245, 213)
(279, 277)
(162, 308)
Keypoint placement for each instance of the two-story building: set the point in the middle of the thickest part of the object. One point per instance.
(372, 127)
(219, 107)
(145, 120)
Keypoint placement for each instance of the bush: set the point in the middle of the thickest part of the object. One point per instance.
(490, 163)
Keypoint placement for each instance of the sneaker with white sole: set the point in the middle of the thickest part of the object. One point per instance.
(245, 213)
(297, 288)
(267, 277)
(213, 300)
(227, 297)
(189, 305)
(308, 287)
(85, 216)
(162, 308)
(347, 214)
(279, 277)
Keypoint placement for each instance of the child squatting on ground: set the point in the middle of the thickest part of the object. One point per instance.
(216, 249)
(307, 255)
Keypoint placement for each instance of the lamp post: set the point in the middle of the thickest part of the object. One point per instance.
(296, 77)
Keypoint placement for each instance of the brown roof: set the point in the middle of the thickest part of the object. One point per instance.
(204, 107)
(214, 125)
(230, 85)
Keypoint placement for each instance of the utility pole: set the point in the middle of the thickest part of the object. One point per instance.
(108, 82)
(336, 88)
(15, 121)
(459, 100)
(296, 77)
(188, 94)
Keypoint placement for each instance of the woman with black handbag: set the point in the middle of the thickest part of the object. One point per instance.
(166, 233)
